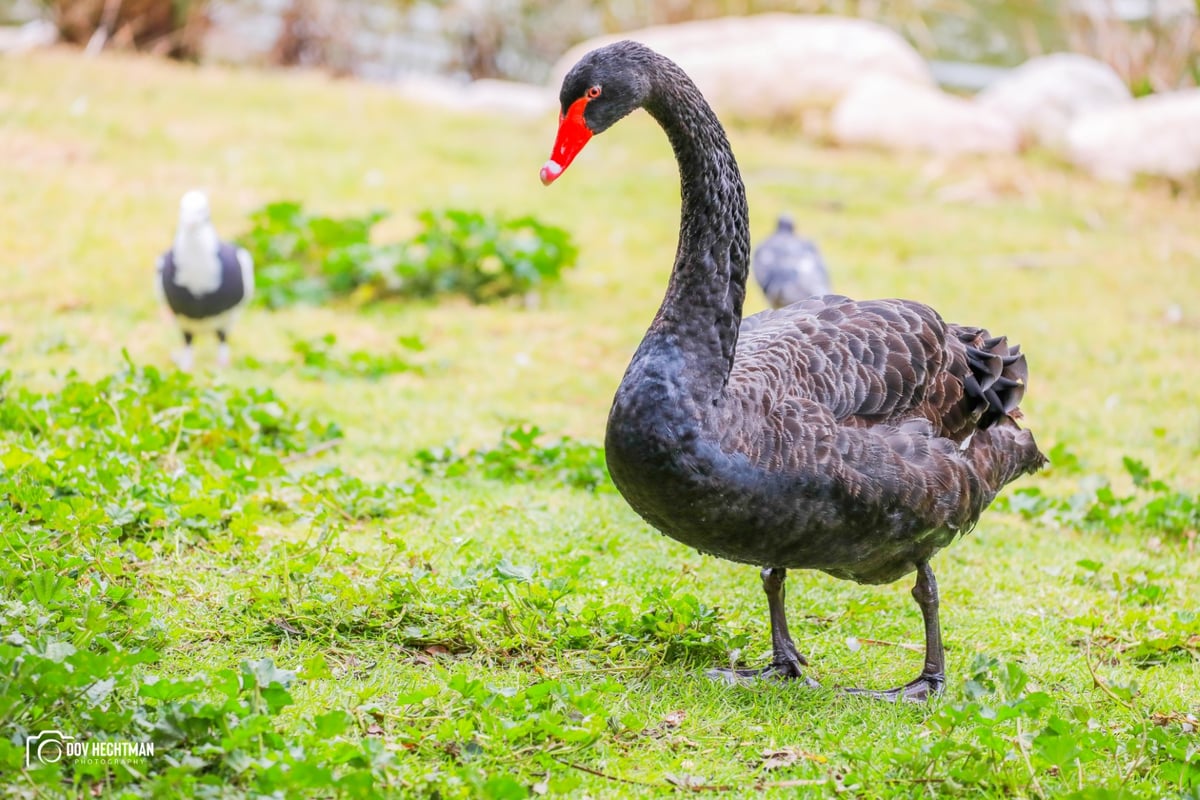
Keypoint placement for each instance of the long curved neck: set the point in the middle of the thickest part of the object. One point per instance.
(702, 310)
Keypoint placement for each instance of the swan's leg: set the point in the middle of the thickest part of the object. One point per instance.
(786, 659)
(932, 679)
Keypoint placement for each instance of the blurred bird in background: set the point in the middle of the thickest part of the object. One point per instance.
(789, 268)
(203, 281)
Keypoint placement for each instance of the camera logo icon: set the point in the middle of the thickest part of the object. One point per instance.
(47, 747)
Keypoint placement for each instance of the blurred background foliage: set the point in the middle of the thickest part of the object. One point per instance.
(166, 27)
(1153, 44)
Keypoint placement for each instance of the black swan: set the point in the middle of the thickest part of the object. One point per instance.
(788, 267)
(856, 438)
(204, 281)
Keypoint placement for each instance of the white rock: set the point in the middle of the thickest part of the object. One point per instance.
(1044, 95)
(772, 65)
(33, 34)
(1156, 135)
(478, 97)
(881, 111)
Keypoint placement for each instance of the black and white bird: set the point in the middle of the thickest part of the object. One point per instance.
(204, 281)
(789, 268)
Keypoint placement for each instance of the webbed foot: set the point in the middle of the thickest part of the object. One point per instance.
(773, 672)
(920, 690)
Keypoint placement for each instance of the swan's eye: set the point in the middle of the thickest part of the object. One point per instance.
(593, 93)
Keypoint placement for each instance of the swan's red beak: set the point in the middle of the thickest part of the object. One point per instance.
(573, 134)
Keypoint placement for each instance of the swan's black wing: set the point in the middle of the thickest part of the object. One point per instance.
(878, 361)
(884, 398)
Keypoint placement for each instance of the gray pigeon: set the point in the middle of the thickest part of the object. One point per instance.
(204, 281)
(789, 268)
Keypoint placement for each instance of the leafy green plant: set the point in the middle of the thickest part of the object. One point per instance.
(499, 716)
(484, 258)
(320, 358)
(296, 254)
(1002, 729)
(143, 453)
(354, 499)
(221, 729)
(521, 457)
(672, 622)
(314, 259)
(1153, 506)
(93, 476)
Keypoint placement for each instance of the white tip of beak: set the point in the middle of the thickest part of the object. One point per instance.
(550, 172)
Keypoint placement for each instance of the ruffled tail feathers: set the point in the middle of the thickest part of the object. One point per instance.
(996, 376)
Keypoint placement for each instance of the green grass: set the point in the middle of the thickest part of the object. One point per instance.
(391, 589)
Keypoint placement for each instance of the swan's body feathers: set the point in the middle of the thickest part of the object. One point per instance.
(879, 361)
(865, 362)
(842, 426)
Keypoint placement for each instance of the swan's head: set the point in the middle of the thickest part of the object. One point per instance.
(193, 211)
(606, 85)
